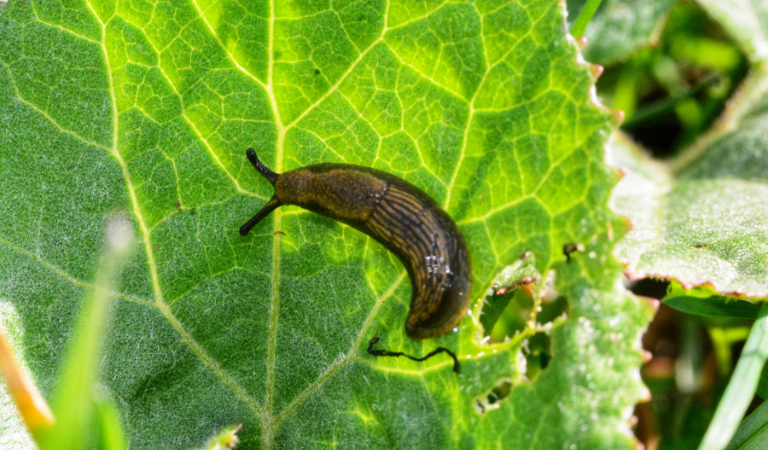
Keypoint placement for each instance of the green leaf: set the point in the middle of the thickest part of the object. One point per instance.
(705, 302)
(705, 223)
(713, 307)
(148, 109)
(621, 27)
(746, 22)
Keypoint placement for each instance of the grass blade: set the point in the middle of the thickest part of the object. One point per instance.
(110, 425)
(580, 26)
(74, 407)
(752, 434)
(714, 307)
(741, 388)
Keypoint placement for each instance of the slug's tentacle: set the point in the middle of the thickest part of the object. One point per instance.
(261, 168)
(271, 205)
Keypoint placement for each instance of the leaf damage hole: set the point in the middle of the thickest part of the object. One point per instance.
(519, 317)
(494, 397)
(537, 352)
(519, 301)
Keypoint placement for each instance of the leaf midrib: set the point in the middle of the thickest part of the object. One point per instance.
(270, 421)
(145, 234)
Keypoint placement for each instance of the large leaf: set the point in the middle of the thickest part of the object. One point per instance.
(745, 20)
(621, 27)
(147, 109)
(702, 219)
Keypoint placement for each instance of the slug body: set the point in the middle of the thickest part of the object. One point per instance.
(400, 216)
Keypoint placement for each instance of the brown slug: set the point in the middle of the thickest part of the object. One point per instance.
(400, 216)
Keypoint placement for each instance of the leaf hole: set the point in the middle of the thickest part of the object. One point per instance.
(538, 353)
(521, 307)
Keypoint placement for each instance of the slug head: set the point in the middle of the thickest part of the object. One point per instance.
(272, 204)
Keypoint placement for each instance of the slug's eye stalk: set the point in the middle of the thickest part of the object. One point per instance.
(261, 168)
(272, 204)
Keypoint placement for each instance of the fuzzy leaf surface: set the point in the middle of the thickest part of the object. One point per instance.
(704, 225)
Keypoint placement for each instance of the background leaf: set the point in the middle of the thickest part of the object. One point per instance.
(745, 20)
(147, 109)
(701, 219)
(712, 306)
(621, 27)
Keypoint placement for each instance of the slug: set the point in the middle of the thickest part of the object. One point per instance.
(400, 216)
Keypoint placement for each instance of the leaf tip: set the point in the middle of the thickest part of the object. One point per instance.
(597, 70)
(618, 115)
(646, 395)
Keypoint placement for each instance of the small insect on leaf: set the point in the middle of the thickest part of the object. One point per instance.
(571, 248)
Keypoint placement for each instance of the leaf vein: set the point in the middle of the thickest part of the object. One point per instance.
(345, 359)
(146, 238)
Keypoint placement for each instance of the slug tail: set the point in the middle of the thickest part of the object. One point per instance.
(271, 205)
